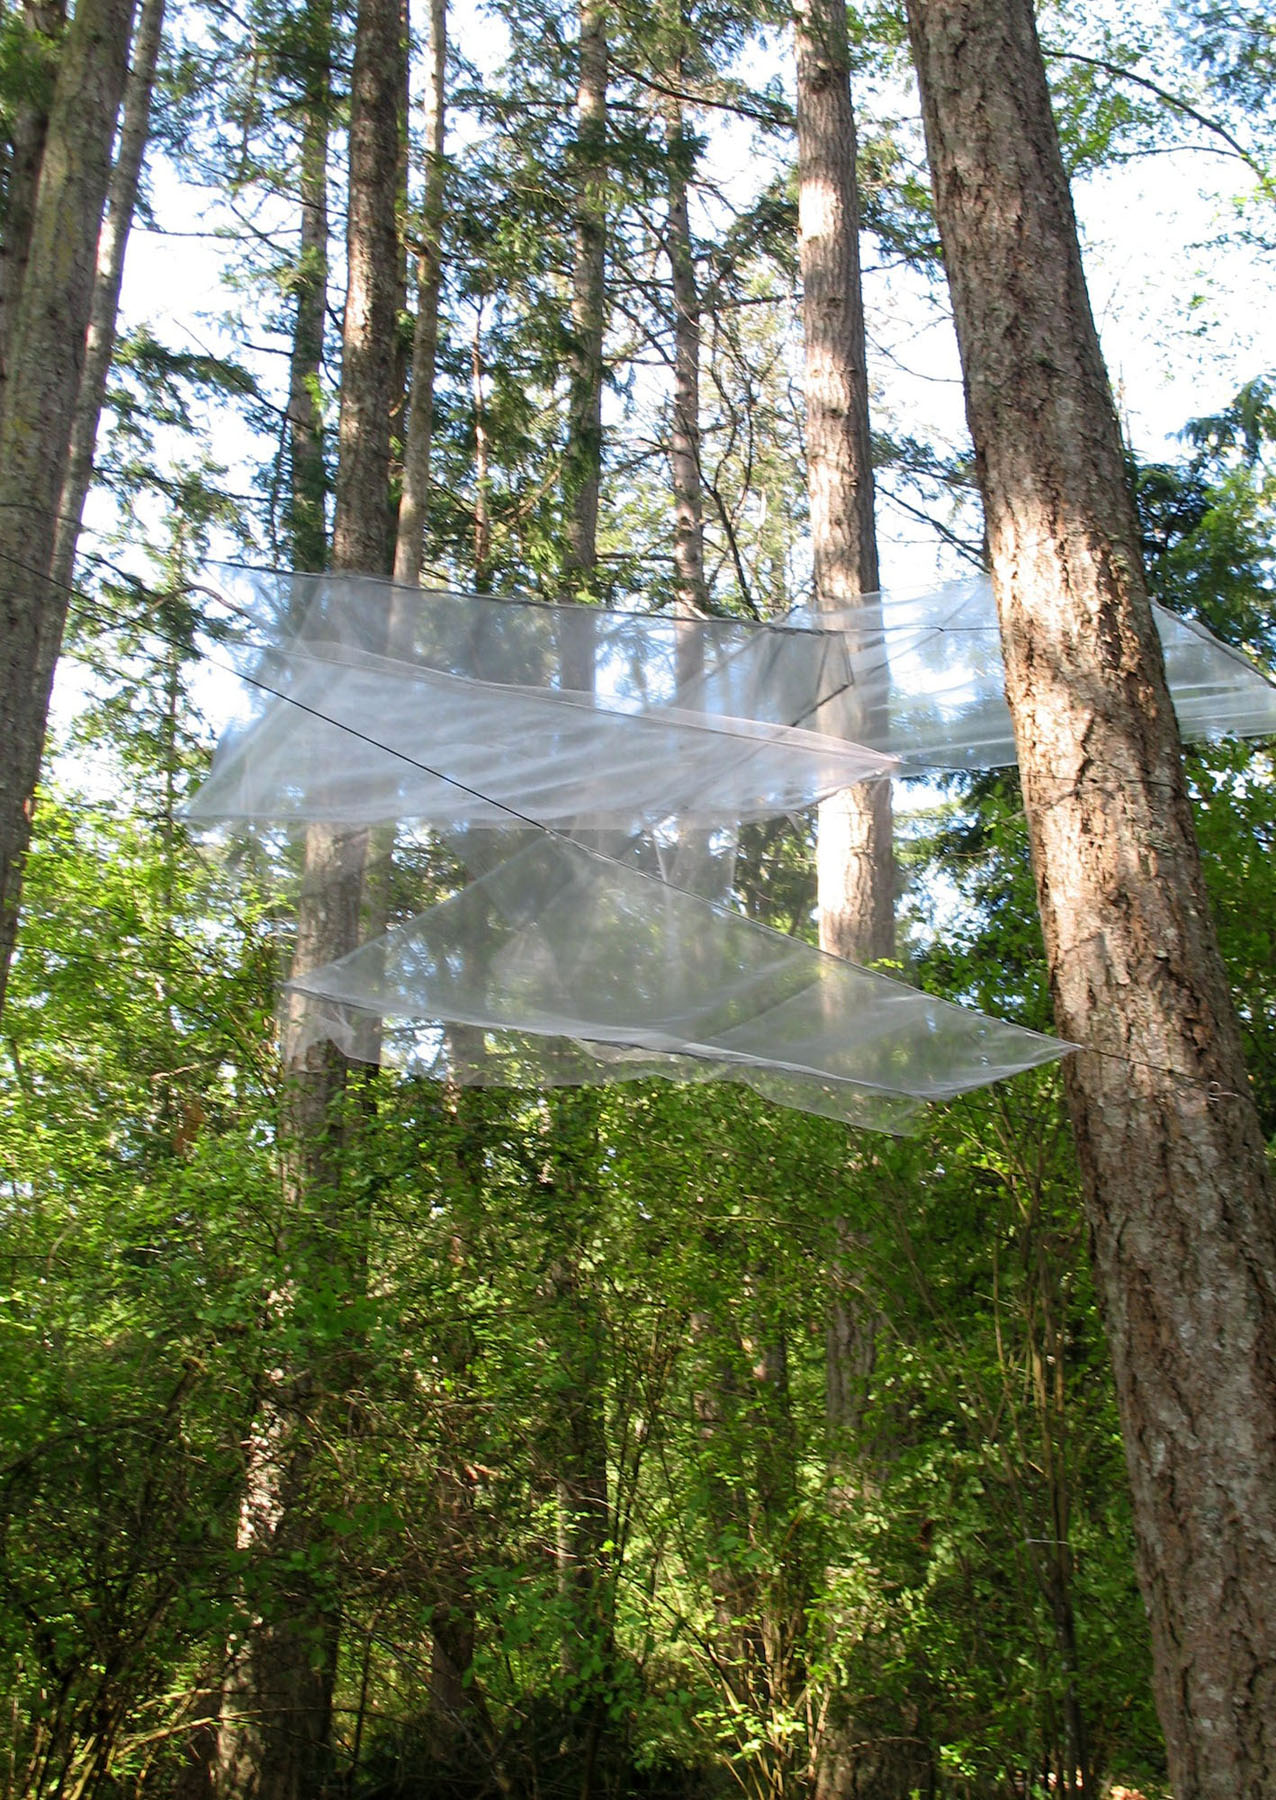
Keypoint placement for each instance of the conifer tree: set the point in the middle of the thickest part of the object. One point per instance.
(276, 1733)
(45, 350)
(1179, 1197)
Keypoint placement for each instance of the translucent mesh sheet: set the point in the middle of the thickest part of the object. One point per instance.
(929, 679)
(561, 946)
(457, 711)
(380, 741)
(374, 703)
(623, 661)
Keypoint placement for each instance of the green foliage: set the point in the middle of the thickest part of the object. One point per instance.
(1209, 522)
(560, 1363)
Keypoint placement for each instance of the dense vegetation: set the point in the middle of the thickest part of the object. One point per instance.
(654, 1439)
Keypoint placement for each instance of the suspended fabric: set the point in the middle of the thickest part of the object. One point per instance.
(566, 967)
(929, 675)
(633, 745)
(374, 704)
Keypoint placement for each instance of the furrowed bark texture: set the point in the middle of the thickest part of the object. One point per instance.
(855, 849)
(100, 339)
(582, 462)
(46, 360)
(361, 529)
(27, 133)
(684, 440)
(855, 857)
(275, 1743)
(1179, 1198)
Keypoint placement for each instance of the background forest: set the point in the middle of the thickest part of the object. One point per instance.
(627, 1442)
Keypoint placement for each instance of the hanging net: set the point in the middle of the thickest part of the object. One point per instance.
(589, 768)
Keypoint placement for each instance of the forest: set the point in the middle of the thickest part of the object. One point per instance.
(370, 1435)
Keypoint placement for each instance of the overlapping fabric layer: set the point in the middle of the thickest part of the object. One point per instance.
(378, 704)
(604, 973)
(931, 683)
(453, 709)
(582, 761)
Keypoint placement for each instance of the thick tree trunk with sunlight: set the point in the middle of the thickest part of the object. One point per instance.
(42, 24)
(1179, 1199)
(100, 340)
(45, 358)
(856, 864)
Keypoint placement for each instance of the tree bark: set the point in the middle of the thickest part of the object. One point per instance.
(856, 872)
(409, 546)
(284, 1672)
(46, 361)
(855, 846)
(306, 513)
(583, 459)
(100, 341)
(361, 528)
(692, 594)
(1179, 1200)
(482, 511)
(43, 19)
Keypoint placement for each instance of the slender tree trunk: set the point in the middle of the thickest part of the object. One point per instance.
(855, 859)
(482, 513)
(855, 850)
(46, 360)
(684, 442)
(361, 539)
(1179, 1200)
(306, 513)
(284, 1672)
(579, 1433)
(409, 547)
(583, 460)
(28, 131)
(100, 340)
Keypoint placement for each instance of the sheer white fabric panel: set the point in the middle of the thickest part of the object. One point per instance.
(932, 681)
(559, 943)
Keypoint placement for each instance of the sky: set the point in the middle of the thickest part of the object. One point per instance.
(1182, 320)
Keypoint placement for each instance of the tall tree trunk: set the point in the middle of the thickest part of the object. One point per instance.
(43, 19)
(1179, 1199)
(855, 859)
(361, 529)
(482, 511)
(100, 340)
(46, 360)
(583, 459)
(456, 1704)
(409, 545)
(306, 513)
(855, 849)
(578, 1432)
(684, 440)
(284, 1672)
